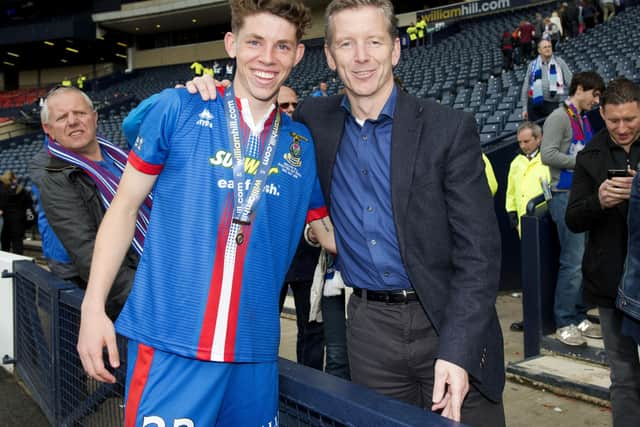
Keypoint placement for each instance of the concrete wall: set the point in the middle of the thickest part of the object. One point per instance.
(203, 51)
(50, 76)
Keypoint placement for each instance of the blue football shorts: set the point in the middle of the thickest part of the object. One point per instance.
(167, 390)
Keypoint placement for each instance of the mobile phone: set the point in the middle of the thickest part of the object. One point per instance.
(612, 173)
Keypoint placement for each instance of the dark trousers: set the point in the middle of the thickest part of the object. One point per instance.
(622, 355)
(540, 111)
(310, 339)
(526, 49)
(335, 336)
(392, 349)
(11, 237)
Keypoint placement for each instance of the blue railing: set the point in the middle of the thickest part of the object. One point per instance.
(46, 314)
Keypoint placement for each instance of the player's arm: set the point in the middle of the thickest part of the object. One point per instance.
(322, 232)
(112, 243)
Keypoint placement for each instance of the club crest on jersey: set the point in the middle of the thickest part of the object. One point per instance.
(205, 119)
(295, 150)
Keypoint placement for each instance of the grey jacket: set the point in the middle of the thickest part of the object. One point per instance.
(556, 140)
(72, 204)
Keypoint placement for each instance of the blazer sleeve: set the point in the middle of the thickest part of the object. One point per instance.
(475, 255)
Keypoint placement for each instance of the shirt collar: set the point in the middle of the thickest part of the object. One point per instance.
(387, 110)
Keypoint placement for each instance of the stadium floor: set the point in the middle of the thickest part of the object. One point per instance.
(525, 406)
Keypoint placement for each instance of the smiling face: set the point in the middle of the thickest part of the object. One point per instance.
(266, 50)
(623, 122)
(363, 53)
(72, 122)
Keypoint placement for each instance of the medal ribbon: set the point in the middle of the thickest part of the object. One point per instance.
(243, 208)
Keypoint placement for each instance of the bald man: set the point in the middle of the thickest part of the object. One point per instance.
(287, 100)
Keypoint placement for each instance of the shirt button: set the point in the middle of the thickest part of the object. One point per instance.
(386, 274)
(364, 171)
(364, 137)
(373, 243)
(369, 209)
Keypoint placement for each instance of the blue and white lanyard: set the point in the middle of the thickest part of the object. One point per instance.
(243, 208)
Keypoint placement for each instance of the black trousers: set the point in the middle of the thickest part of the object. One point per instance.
(392, 349)
(310, 339)
(540, 111)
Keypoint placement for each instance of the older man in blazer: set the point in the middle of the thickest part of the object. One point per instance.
(415, 226)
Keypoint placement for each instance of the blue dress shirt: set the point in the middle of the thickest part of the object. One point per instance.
(361, 208)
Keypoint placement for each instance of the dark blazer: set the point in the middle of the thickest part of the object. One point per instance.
(606, 247)
(445, 223)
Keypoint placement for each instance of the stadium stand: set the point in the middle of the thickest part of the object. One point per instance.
(462, 70)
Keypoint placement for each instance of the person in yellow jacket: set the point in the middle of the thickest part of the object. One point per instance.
(197, 68)
(527, 174)
(412, 32)
(491, 176)
(421, 26)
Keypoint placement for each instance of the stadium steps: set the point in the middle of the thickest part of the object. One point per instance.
(564, 376)
(577, 372)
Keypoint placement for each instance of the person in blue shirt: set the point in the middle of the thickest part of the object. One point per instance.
(321, 91)
(233, 181)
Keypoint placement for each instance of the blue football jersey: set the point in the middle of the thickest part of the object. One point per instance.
(200, 291)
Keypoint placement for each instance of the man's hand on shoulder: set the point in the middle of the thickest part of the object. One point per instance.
(205, 85)
(450, 387)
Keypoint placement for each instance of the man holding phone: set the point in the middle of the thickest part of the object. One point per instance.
(599, 204)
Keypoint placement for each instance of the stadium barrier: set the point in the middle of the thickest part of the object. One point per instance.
(46, 320)
(540, 253)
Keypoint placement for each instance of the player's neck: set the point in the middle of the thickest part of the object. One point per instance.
(259, 108)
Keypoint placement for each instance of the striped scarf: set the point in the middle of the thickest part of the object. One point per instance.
(556, 80)
(106, 182)
(581, 134)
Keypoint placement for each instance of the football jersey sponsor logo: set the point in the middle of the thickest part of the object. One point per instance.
(225, 159)
(205, 118)
(270, 189)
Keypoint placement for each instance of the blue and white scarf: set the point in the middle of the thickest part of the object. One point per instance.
(556, 80)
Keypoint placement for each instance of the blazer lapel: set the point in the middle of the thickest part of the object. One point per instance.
(405, 139)
(328, 142)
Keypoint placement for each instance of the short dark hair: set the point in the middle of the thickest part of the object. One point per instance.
(293, 11)
(620, 91)
(588, 80)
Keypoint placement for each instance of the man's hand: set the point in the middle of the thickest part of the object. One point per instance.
(615, 190)
(96, 332)
(450, 386)
(206, 86)
(525, 115)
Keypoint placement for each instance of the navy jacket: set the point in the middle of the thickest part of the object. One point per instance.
(445, 221)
